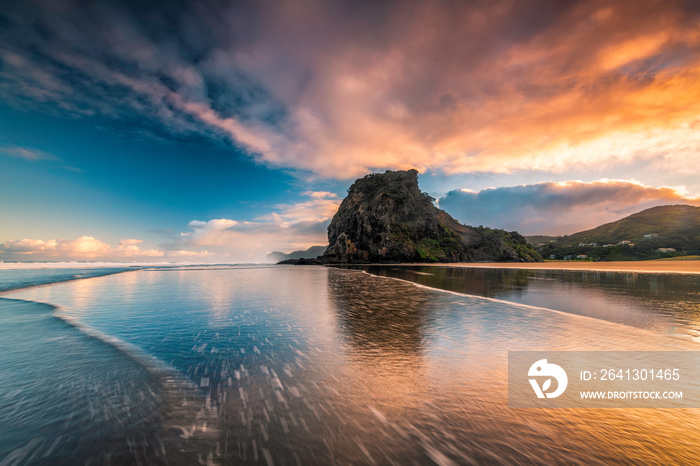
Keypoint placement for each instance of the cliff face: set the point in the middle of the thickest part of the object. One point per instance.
(386, 218)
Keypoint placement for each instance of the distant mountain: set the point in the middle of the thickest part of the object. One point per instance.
(639, 236)
(311, 253)
(386, 218)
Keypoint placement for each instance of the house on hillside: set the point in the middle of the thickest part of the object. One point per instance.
(666, 250)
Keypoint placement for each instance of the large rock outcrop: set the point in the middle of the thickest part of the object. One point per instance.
(386, 218)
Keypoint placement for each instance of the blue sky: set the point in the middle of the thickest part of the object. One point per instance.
(74, 178)
(126, 183)
(219, 131)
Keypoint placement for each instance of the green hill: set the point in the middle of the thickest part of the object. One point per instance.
(539, 239)
(673, 226)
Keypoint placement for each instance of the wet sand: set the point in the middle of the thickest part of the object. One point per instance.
(313, 365)
(629, 266)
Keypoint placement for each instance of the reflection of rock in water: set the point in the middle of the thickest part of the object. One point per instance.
(666, 303)
(385, 324)
(291, 403)
(493, 283)
(379, 314)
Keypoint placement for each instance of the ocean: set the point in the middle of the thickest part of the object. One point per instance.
(315, 365)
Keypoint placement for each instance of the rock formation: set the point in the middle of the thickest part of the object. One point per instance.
(386, 218)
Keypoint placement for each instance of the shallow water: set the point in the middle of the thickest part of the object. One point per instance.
(67, 398)
(311, 365)
(11, 279)
(666, 303)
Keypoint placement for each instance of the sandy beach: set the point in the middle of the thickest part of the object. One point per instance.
(630, 266)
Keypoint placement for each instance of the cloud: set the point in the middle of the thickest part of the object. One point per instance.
(340, 90)
(130, 248)
(558, 208)
(290, 227)
(85, 247)
(29, 154)
(321, 206)
(82, 248)
(130, 242)
(189, 254)
(252, 241)
(28, 246)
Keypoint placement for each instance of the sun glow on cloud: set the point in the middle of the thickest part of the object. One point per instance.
(289, 227)
(460, 87)
(89, 248)
(82, 248)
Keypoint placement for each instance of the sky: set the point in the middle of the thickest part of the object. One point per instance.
(219, 131)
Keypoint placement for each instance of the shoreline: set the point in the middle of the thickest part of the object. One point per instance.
(691, 267)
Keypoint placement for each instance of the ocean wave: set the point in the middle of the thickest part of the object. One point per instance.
(187, 410)
(106, 264)
(187, 421)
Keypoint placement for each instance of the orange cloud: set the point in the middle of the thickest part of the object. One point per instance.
(82, 248)
(452, 87)
(497, 86)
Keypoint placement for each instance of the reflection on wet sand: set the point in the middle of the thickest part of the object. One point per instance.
(378, 318)
(421, 378)
(311, 365)
(386, 330)
(450, 404)
(665, 303)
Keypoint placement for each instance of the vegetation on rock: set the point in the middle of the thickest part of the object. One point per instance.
(386, 218)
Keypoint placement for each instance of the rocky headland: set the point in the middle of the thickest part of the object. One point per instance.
(385, 218)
